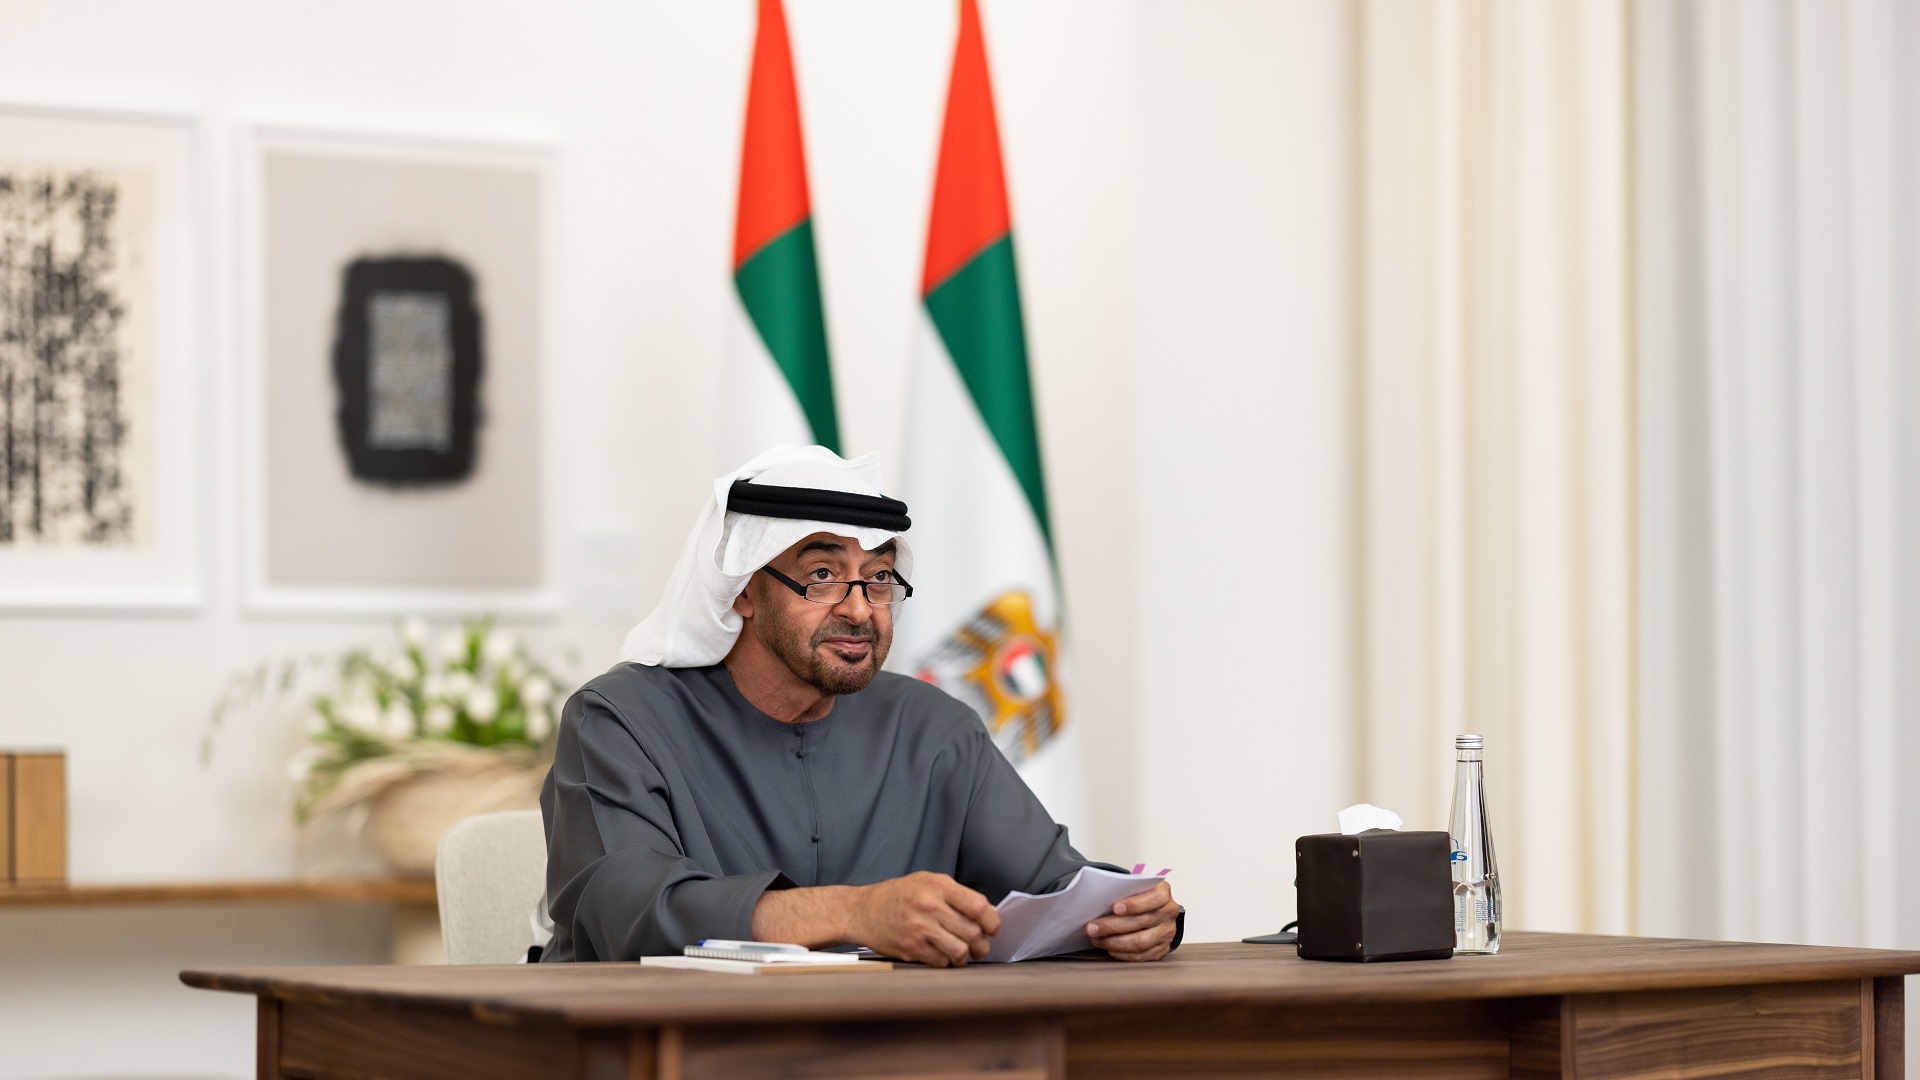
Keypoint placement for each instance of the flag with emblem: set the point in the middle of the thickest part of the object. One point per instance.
(984, 622)
(779, 387)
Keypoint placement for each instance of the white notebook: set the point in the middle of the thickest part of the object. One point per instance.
(765, 954)
(844, 964)
(1054, 923)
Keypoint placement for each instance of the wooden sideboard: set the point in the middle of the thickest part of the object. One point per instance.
(408, 892)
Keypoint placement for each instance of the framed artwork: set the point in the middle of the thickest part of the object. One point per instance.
(395, 385)
(102, 401)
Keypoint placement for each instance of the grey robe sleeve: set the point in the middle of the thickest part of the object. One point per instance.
(1009, 841)
(620, 881)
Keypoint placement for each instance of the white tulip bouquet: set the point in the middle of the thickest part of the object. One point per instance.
(465, 702)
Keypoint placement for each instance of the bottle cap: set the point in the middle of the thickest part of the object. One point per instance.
(1469, 742)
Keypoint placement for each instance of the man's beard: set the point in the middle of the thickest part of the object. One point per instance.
(804, 659)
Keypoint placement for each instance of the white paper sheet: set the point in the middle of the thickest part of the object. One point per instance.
(1054, 923)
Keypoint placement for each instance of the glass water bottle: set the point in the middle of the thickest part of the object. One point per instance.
(1476, 877)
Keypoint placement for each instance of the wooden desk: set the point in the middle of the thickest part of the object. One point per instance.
(1550, 1005)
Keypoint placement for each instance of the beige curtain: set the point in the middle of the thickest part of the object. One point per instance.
(1779, 266)
(1494, 433)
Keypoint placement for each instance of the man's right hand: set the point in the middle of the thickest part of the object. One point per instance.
(925, 917)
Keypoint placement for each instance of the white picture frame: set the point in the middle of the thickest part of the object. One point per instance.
(154, 557)
(267, 593)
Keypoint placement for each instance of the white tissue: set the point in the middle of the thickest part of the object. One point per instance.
(1360, 817)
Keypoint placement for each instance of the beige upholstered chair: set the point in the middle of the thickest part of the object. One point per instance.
(491, 873)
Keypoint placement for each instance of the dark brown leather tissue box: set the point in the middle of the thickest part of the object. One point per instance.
(1377, 895)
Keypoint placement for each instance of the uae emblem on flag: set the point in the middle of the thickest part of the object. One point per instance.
(1002, 663)
(985, 617)
(779, 387)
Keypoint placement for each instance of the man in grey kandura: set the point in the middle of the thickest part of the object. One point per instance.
(748, 771)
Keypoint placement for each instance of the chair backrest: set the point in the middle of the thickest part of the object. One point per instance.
(491, 873)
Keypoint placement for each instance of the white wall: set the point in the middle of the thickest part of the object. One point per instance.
(1175, 175)
(1242, 308)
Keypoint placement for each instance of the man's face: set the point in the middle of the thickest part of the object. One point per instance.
(836, 648)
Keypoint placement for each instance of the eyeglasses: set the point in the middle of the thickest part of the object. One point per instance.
(879, 593)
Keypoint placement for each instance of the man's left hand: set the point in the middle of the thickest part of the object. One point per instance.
(1141, 926)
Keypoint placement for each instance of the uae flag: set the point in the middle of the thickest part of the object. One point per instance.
(779, 387)
(984, 621)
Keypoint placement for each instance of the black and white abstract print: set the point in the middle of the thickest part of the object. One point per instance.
(66, 362)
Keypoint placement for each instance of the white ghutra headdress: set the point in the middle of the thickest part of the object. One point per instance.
(756, 512)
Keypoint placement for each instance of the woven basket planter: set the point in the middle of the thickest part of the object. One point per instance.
(407, 819)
